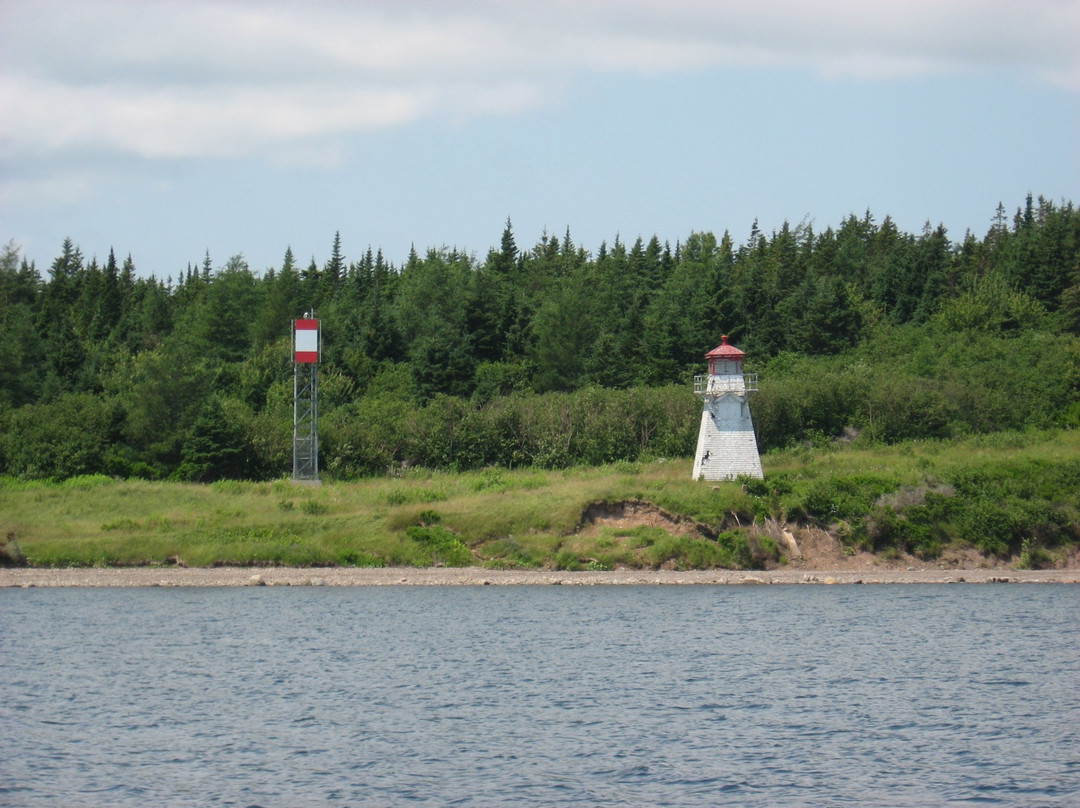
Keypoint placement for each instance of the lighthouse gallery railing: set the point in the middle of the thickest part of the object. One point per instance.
(706, 385)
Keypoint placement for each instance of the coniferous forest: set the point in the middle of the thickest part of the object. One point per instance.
(550, 355)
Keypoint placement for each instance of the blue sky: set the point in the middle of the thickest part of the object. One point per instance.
(169, 129)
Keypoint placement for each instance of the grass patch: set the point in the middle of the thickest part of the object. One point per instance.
(1012, 496)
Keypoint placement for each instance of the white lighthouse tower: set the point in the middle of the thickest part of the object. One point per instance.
(726, 446)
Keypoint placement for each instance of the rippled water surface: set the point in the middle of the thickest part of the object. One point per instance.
(683, 696)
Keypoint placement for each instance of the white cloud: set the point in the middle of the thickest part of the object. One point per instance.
(55, 188)
(178, 79)
(179, 122)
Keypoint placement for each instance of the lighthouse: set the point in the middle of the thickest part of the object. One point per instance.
(726, 446)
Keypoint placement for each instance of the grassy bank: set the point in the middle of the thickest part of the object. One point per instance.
(1007, 495)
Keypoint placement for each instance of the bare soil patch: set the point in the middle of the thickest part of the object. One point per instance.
(637, 513)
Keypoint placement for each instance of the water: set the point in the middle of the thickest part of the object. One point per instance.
(683, 696)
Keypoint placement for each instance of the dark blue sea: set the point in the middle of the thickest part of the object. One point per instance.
(931, 695)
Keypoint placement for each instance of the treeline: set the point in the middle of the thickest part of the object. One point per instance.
(546, 356)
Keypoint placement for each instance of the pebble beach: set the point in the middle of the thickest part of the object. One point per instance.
(475, 576)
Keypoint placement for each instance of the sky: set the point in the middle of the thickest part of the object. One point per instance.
(169, 130)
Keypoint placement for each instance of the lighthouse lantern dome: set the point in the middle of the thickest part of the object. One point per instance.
(725, 358)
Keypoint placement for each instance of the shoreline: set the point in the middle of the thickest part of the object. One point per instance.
(104, 577)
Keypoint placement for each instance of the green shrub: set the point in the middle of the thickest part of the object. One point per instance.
(1058, 481)
(687, 552)
(766, 496)
(445, 548)
(989, 526)
(490, 479)
(356, 558)
(763, 550)
(844, 498)
(11, 555)
(912, 531)
(754, 486)
(508, 553)
(568, 561)
(75, 435)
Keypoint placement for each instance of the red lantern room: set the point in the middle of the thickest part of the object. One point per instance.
(725, 359)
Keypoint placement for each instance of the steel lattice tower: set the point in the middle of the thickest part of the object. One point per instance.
(306, 400)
